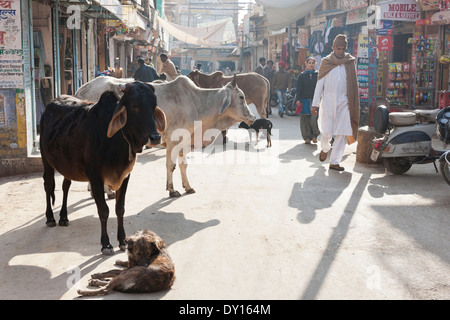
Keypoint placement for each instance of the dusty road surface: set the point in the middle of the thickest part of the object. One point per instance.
(263, 224)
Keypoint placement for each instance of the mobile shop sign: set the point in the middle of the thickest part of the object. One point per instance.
(400, 10)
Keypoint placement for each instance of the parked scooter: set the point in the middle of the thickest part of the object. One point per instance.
(407, 136)
(443, 131)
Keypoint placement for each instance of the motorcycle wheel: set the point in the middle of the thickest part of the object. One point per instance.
(445, 171)
(288, 107)
(396, 165)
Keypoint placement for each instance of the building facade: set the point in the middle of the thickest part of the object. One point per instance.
(49, 48)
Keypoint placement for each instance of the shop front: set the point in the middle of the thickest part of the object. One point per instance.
(397, 35)
(47, 48)
(442, 19)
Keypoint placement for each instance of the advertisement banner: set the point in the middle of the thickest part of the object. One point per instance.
(11, 53)
(385, 28)
(384, 43)
(362, 67)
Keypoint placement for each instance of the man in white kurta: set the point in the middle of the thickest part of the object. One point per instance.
(331, 97)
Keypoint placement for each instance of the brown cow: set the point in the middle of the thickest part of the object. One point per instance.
(255, 87)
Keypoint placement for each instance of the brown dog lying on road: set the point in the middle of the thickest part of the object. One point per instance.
(149, 268)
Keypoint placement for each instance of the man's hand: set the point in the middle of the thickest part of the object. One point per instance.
(314, 110)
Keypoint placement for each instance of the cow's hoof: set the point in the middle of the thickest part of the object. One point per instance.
(51, 223)
(190, 191)
(108, 251)
(174, 194)
(64, 223)
(122, 247)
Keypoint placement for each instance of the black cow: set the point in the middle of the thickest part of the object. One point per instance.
(98, 143)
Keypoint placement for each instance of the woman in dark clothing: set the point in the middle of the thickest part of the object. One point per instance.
(306, 84)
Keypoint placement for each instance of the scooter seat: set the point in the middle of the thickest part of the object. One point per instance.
(402, 118)
(426, 116)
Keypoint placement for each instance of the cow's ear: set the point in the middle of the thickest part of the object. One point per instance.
(125, 88)
(151, 86)
(160, 119)
(226, 102)
(118, 121)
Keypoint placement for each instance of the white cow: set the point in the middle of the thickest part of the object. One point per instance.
(184, 104)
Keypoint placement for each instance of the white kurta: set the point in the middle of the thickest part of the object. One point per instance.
(330, 96)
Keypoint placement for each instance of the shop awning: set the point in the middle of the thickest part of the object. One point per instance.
(441, 17)
(112, 6)
(211, 36)
(132, 19)
(97, 9)
(280, 14)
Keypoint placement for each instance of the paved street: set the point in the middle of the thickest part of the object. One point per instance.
(263, 224)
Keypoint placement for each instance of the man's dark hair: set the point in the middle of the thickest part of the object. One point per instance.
(262, 59)
(141, 61)
(163, 55)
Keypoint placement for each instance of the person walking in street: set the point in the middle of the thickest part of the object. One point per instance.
(336, 95)
(260, 69)
(145, 72)
(118, 71)
(167, 67)
(282, 82)
(268, 73)
(306, 84)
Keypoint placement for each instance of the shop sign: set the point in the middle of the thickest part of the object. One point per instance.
(356, 16)
(204, 53)
(362, 75)
(11, 52)
(385, 28)
(427, 5)
(400, 10)
(373, 67)
(224, 52)
(363, 46)
(362, 67)
(384, 43)
(353, 4)
(423, 22)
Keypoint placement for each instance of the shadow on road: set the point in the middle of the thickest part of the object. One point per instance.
(305, 198)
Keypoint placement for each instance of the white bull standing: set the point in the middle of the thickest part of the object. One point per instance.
(184, 104)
